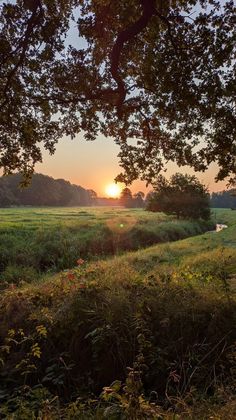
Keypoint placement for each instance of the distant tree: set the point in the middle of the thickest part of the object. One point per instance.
(223, 199)
(43, 191)
(126, 198)
(149, 195)
(151, 203)
(92, 197)
(138, 199)
(7, 198)
(233, 192)
(182, 195)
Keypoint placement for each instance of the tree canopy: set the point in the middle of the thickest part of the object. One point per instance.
(182, 195)
(157, 76)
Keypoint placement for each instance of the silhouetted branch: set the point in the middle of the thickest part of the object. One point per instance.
(148, 7)
(32, 22)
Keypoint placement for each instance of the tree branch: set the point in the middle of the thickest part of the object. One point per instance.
(149, 10)
(32, 22)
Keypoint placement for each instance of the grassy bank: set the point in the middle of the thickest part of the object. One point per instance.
(158, 324)
(34, 241)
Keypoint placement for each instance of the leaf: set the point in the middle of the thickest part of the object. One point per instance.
(116, 386)
(36, 351)
(42, 331)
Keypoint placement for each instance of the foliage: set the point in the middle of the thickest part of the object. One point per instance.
(126, 198)
(175, 335)
(139, 199)
(43, 191)
(162, 73)
(18, 274)
(223, 199)
(156, 324)
(182, 195)
(131, 201)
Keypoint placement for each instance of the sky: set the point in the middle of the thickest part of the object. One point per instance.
(94, 165)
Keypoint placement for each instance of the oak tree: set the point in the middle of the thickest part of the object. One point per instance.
(157, 76)
(183, 196)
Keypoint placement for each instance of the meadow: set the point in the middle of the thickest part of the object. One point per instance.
(35, 241)
(143, 334)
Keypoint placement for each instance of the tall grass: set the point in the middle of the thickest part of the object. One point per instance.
(37, 241)
(161, 319)
(148, 334)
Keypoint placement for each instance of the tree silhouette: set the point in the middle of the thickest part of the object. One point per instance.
(182, 195)
(43, 191)
(224, 199)
(92, 197)
(138, 199)
(126, 198)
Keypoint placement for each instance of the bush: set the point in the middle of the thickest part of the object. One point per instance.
(183, 196)
(15, 274)
(182, 326)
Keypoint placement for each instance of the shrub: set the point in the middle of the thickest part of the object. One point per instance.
(183, 196)
(15, 274)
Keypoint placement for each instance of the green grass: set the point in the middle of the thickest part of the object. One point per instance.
(30, 217)
(34, 241)
(168, 312)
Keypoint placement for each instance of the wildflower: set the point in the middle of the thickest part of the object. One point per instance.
(80, 261)
(70, 276)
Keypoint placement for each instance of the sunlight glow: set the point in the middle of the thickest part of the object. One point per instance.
(113, 190)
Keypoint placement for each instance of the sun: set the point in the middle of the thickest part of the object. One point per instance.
(113, 190)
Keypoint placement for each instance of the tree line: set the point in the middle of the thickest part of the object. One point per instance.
(182, 195)
(129, 200)
(224, 199)
(43, 191)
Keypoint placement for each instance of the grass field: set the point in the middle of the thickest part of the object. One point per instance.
(41, 240)
(166, 312)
